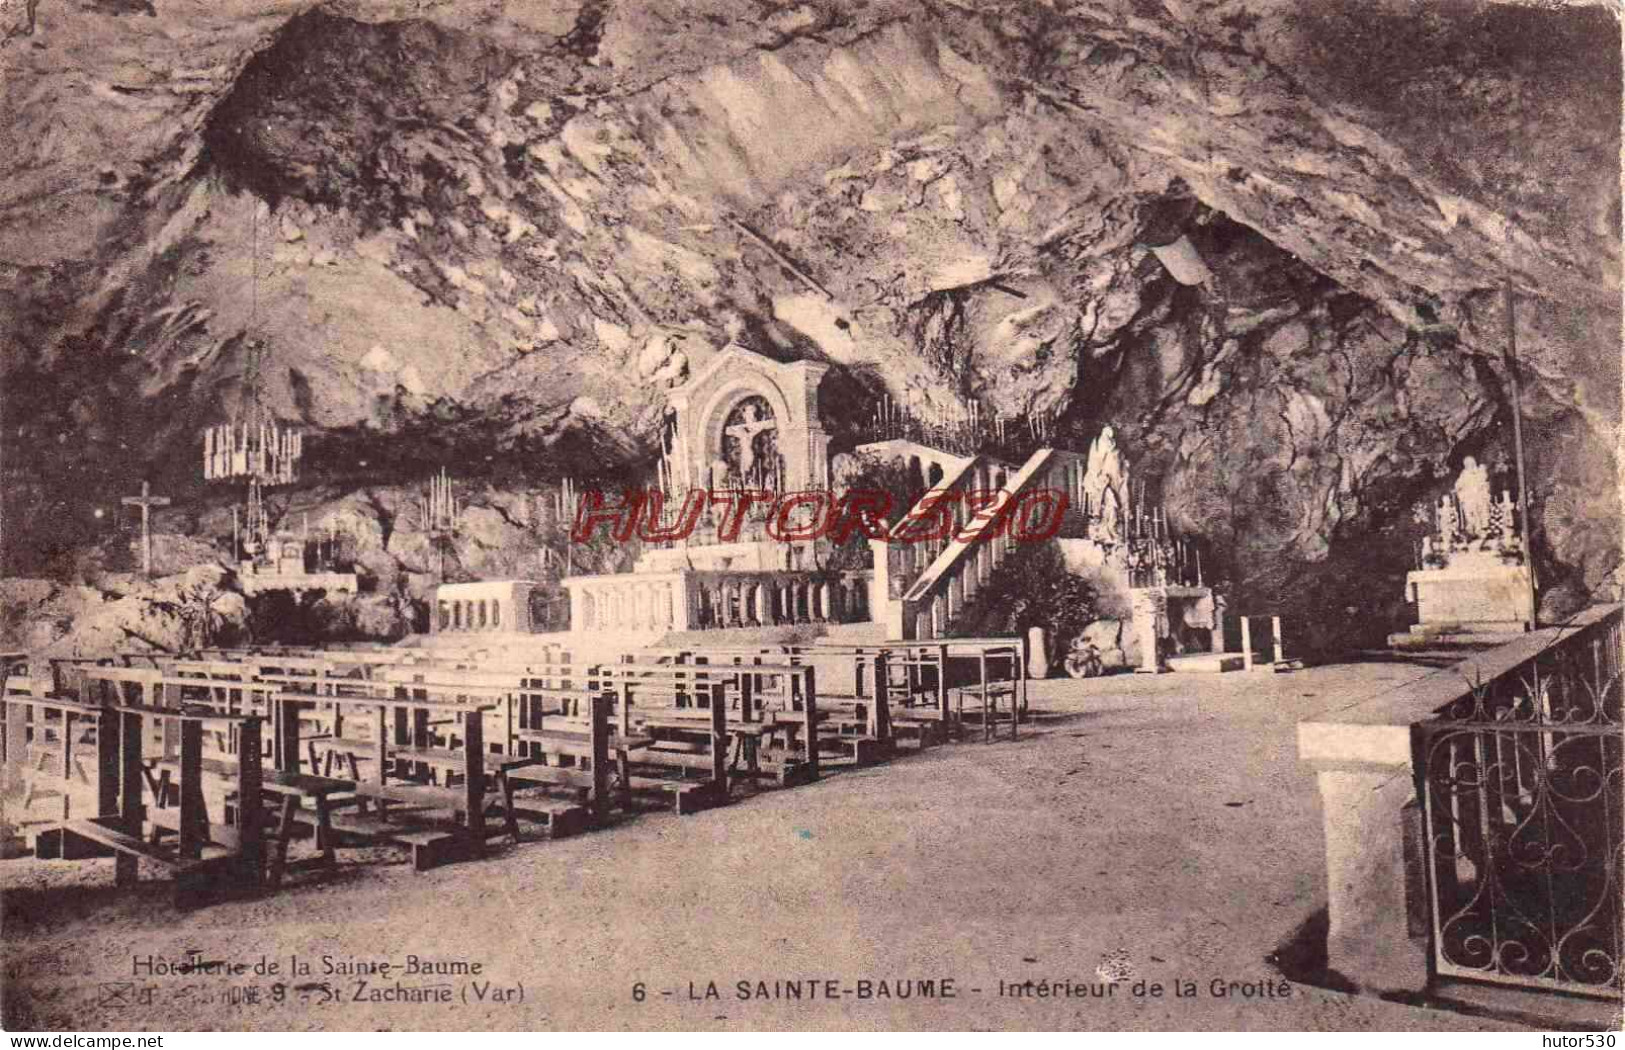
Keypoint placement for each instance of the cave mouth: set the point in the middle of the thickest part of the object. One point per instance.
(311, 116)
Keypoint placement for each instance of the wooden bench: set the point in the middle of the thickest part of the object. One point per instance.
(399, 741)
(292, 791)
(181, 838)
(771, 709)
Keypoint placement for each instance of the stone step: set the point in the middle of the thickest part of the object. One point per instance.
(1206, 663)
(1463, 641)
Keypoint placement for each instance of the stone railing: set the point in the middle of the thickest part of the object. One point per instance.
(1430, 790)
(899, 563)
(927, 585)
(650, 604)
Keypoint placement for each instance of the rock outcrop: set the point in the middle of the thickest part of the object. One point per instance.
(494, 234)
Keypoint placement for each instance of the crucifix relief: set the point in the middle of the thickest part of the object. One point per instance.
(750, 441)
(146, 501)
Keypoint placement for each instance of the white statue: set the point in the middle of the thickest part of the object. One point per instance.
(1473, 497)
(757, 419)
(1107, 528)
(1105, 466)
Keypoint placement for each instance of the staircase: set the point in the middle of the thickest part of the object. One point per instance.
(922, 587)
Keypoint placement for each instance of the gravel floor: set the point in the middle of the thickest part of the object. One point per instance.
(1152, 829)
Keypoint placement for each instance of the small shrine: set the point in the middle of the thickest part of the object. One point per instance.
(277, 559)
(1133, 554)
(744, 422)
(1472, 575)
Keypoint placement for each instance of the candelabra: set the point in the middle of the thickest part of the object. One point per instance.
(441, 515)
(267, 452)
(966, 431)
(255, 447)
(252, 532)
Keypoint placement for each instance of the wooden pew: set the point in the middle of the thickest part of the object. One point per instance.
(567, 750)
(201, 853)
(397, 746)
(47, 741)
(987, 656)
(773, 731)
(860, 728)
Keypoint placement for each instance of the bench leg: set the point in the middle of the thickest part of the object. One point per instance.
(284, 833)
(324, 833)
(510, 820)
(624, 770)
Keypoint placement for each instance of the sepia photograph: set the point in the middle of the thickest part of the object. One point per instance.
(811, 516)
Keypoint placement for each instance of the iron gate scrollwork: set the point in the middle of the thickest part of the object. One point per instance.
(1522, 796)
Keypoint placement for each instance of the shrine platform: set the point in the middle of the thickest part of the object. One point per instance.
(331, 582)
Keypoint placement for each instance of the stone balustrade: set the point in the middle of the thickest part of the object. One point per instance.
(654, 603)
(922, 587)
(1370, 759)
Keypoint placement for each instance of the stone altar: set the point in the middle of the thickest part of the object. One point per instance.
(743, 422)
(1134, 561)
(484, 607)
(1474, 576)
(278, 564)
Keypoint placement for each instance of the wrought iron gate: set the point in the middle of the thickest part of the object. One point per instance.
(1522, 802)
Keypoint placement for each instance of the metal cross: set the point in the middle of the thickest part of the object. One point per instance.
(146, 501)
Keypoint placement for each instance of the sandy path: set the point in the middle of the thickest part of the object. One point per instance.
(1163, 825)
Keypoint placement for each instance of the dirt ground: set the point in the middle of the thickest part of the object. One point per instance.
(1153, 829)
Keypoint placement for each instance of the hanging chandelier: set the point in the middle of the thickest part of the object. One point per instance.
(256, 447)
(251, 534)
(439, 509)
(264, 451)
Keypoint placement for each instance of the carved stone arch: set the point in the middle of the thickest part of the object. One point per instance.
(729, 394)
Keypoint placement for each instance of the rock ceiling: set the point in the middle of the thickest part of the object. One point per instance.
(501, 230)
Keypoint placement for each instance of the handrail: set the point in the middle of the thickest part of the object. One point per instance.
(1571, 679)
(968, 537)
(923, 507)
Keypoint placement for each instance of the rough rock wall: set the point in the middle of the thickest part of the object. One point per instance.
(493, 234)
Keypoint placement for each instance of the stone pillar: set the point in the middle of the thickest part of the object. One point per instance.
(1369, 939)
(1275, 633)
(682, 604)
(1216, 642)
(1246, 643)
(1037, 653)
(764, 604)
(1149, 605)
(879, 584)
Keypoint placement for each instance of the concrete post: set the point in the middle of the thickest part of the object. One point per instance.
(1037, 653)
(1369, 939)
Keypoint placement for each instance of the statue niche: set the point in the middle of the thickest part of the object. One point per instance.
(750, 446)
